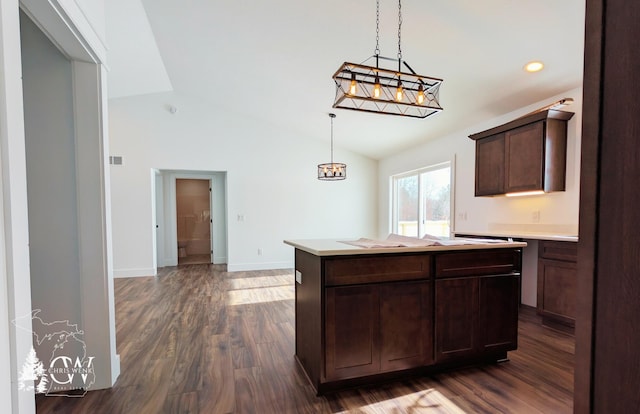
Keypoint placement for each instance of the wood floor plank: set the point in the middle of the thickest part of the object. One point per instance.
(217, 394)
(198, 339)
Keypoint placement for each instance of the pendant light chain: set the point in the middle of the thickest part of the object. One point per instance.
(377, 51)
(332, 116)
(399, 30)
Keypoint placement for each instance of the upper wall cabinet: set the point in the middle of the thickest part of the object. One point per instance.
(527, 154)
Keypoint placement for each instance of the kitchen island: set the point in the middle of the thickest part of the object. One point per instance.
(365, 315)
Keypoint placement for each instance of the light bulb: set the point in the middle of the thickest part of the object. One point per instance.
(376, 88)
(352, 88)
(420, 98)
(399, 92)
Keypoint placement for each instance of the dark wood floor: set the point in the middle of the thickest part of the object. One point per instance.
(197, 339)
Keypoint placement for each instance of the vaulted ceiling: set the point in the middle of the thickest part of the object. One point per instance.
(273, 60)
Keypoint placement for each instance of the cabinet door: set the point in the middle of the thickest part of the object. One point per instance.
(456, 318)
(557, 290)
(524, 158)
(490, 165)
(498, 311)
(405, 325)
(351, 334)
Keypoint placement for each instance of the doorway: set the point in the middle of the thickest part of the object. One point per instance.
(193, 211)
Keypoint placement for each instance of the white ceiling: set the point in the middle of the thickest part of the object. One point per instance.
(273, 60)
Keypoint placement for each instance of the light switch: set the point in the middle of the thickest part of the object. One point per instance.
(298, 277)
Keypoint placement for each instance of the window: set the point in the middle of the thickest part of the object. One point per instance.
(422, 201)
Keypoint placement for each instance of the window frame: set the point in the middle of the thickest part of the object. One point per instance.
(394, 210)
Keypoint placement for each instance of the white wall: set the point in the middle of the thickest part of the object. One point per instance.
(94, 11)
(271, 180)
(558, 211)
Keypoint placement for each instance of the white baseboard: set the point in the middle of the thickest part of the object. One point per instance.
(170, 261)
(115, 369)
(118, 273)
(219, 259)
(242, 267)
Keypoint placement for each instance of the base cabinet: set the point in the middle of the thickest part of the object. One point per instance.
(372, 329)
(499, 300)
(365, 318)
(557, 280)
(476, 315)
(456, 318)
(476, 302)
(352, 321)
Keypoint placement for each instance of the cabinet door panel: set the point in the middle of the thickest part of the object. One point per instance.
(499, 301)
(456, 317)
(557, 289)
(405, 326)
(490, 166)
(352, 340)
(524, 158)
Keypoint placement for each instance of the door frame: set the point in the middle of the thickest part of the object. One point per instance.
(218, 204)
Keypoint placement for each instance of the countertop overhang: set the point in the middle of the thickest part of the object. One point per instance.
(333, 247)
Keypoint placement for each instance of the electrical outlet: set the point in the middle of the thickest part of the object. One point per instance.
(260, 252)
(535, 216)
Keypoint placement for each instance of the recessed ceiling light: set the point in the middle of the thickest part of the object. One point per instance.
(534, 66)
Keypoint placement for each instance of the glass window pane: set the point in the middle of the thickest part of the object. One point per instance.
(407, 193)
(436, 205)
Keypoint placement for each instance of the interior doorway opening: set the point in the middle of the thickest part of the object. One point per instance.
(166, 219)
(193, 210)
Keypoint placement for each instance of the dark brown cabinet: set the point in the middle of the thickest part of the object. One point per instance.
(352, 340)
(456, 318)
(476, 311)
(406, 338)
(490, 165)
(377, 328)
(527, 154)
(361, 318)
(557, 280)
(498, 313)
(524, 159)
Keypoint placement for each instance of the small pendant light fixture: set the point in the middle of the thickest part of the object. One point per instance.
(332, 171)
(386, 91)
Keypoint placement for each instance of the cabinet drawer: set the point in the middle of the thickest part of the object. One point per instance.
(567, 251)
(363, 269)
(478, 263)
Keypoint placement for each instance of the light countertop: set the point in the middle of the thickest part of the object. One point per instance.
(332, 247)
(522, 235)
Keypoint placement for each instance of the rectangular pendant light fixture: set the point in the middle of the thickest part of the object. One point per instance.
(374, 89)
(386, 91)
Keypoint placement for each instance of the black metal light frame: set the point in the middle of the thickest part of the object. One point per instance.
(332, 171)
(365, 78)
